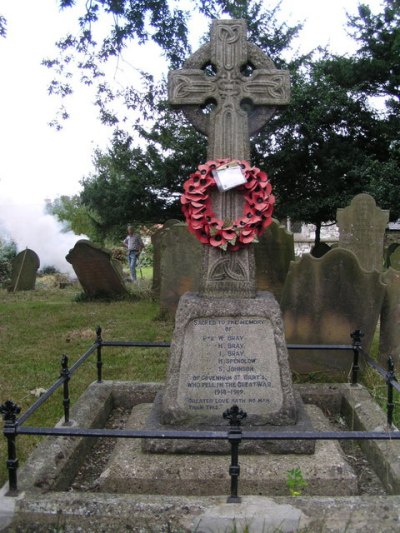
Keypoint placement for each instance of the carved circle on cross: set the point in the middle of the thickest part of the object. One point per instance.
(258, 116)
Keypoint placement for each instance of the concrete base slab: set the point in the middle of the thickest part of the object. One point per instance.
(118, 513)
(130, 470)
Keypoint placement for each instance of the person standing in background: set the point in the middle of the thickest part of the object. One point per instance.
(134, 244)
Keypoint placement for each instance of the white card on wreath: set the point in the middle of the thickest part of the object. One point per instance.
(229, 177)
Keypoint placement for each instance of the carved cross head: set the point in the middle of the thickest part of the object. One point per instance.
(228, 90)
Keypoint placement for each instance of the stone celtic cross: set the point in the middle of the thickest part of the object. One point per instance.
(244, 88)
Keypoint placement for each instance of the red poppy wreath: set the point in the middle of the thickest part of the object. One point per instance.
(227, 234)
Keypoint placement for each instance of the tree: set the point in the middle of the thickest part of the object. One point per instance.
(316, 149)
(75, 217)
(374, 71)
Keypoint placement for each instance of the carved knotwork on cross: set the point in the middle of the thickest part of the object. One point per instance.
(243, 86)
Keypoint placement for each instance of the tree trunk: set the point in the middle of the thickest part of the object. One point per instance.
(317, 233)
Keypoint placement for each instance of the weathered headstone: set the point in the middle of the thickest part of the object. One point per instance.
(23, 271)
(228, 345)
(394, 258)
(273, 254)
(179, 266)
(157, 240)
(389, 342)
(98, 273)
(324, 300)
(361, 230)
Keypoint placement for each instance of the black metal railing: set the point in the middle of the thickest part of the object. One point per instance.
(13, 426)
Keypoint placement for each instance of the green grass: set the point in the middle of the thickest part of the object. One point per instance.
(38, 327)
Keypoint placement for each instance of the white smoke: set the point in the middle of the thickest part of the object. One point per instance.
(30, 227)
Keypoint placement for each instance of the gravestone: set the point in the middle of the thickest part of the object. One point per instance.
(157, 240)
(228, 345)
(324, 300)
(362, 229)
(98, 273)
(23, 271)
(394, 258)
(273, 254)
(179, 266)
(389, 341)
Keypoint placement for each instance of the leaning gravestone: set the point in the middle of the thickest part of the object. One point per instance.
(389, 342)
(228, 346)
(273, 254)
(324, 300)
(97, 272)
(157, 240)
(179, 267)
(362, 229)
(23, 271)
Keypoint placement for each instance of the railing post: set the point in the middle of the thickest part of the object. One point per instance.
(390, 404)
(66, 375)
(99, 342)
(9, 410)
(235, 416)
(357, 335)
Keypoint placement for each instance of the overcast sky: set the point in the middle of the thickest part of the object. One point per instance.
(37, 162)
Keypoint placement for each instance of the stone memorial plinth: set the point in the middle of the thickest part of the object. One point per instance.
(228, 352)
(23, 271)
(97, 272)
(324, 300)
(362, 229)
(240, 359)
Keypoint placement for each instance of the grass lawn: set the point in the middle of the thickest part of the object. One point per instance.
(38, 327)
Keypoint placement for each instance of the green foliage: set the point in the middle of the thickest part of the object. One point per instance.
(8, 251)
(317, 147)
(146, 257)
(375, 71)
(295, 481)
(76, 217)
